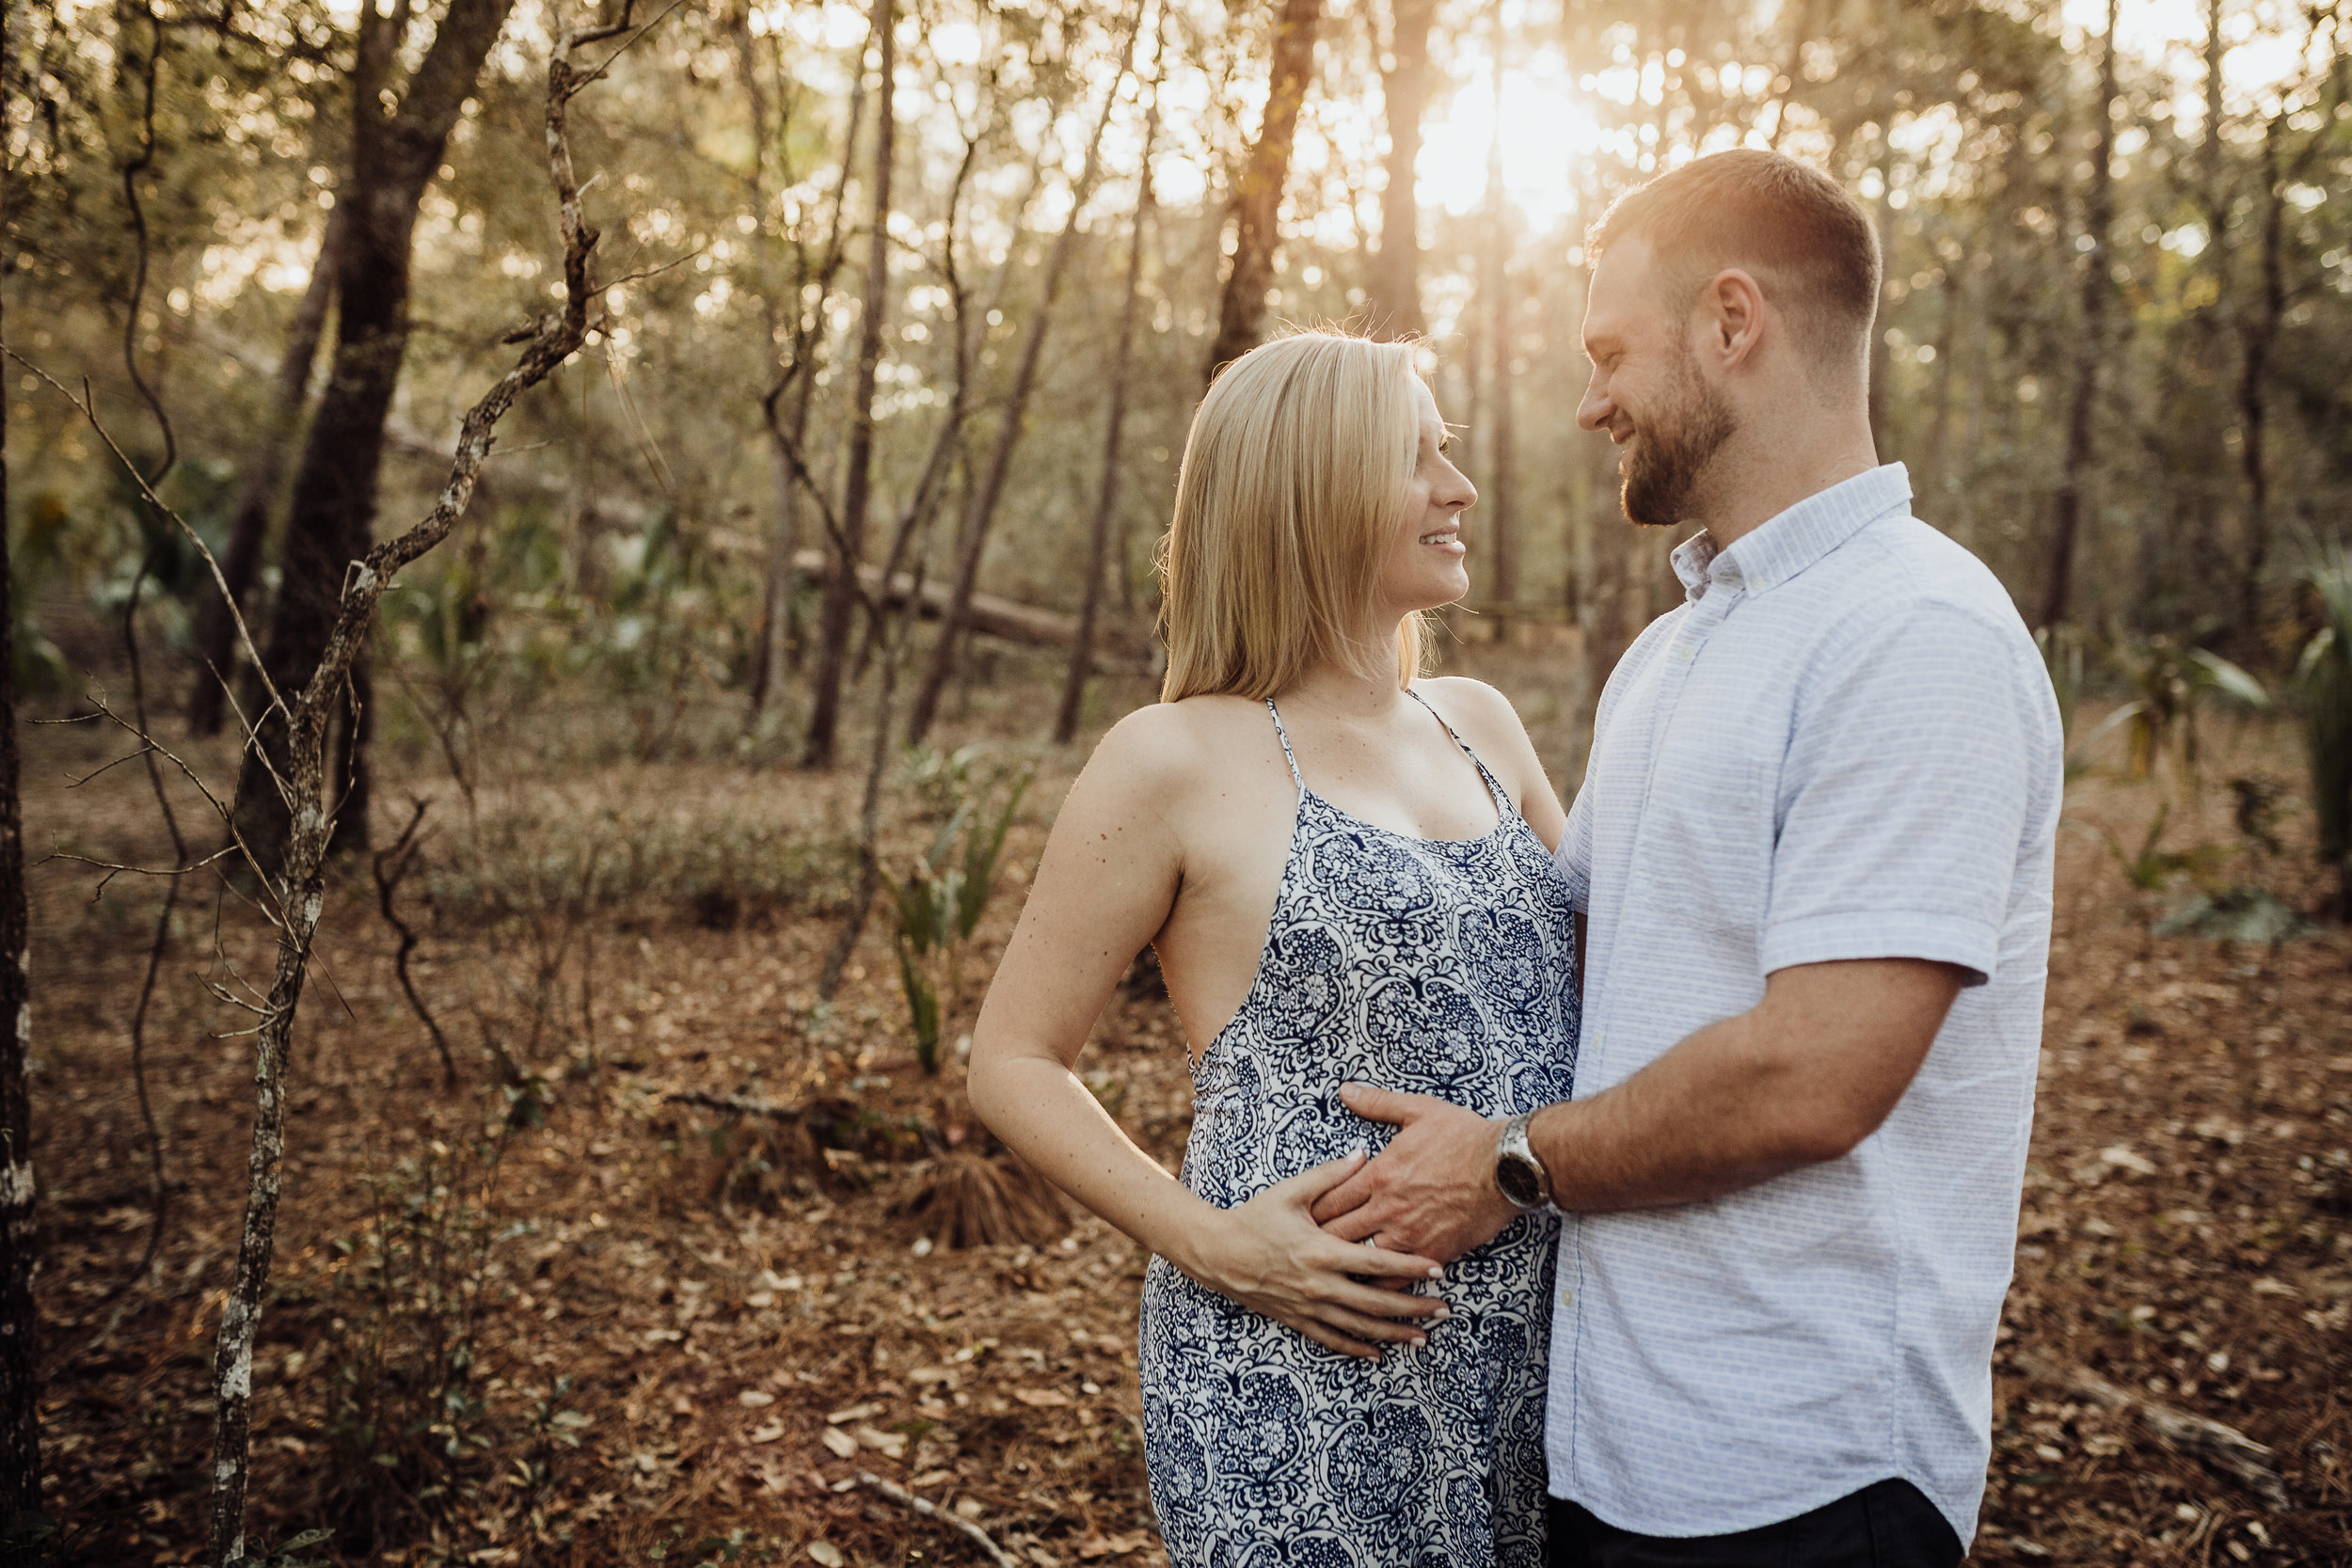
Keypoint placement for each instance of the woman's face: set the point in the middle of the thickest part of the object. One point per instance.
(1425, 566)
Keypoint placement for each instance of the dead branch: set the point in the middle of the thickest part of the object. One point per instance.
(160, 1208)
(938, 1516)
(301, 882)
(390, 868)
(739, 1104)
(2183, 1432)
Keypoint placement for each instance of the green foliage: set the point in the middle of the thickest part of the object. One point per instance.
(2168, 681)
(2151, 867)
(939, 903)
(2240, 913)
(2323, 688)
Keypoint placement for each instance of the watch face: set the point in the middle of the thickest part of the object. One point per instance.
(1518, 1182)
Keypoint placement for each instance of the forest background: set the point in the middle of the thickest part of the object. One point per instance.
(635, 814)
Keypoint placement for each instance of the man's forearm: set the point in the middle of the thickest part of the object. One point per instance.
(1710, 1116)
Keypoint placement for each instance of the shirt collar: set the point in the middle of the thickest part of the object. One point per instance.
(1795, 539)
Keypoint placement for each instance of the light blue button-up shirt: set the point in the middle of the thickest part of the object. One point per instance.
(1842, 745)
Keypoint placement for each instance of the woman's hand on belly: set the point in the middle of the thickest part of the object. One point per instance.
(1269, 1255)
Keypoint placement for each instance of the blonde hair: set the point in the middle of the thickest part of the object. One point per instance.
(1292, 487)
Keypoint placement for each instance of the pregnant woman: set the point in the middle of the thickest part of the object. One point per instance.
(1346, 869)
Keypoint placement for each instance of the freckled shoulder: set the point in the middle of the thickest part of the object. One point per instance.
(1484, 718)
(1159, 755)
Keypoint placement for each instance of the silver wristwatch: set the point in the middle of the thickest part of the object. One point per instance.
(1519, 1176)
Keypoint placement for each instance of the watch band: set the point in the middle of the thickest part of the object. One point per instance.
(1515, 1157)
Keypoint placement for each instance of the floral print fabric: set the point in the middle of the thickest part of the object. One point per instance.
(1437, 968)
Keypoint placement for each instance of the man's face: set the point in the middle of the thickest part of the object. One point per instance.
(1648, 391)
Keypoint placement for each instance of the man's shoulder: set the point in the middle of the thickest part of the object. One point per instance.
(1901, 570)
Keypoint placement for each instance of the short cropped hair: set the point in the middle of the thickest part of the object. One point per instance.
(1793, 226)
(1292, 487)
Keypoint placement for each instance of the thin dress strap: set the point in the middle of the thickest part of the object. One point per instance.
(1494, 786)
(1297, 778)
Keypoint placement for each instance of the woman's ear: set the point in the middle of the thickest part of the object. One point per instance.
(1735, 305)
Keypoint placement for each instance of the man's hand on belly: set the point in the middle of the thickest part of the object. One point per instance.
(1431, 1191)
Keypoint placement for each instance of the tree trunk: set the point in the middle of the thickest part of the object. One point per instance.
(982, 513)
(786, 404)
(1791, 74)
(1107, 499)
(2253, 399)
(2066, 510)
(1882, 352)
(257, 491)
(1932, 483)
(848, 547)
(1393, 291)
(784, 542)
(1257, 199)
(20, 1374)
(1502, 520)
(395, 154)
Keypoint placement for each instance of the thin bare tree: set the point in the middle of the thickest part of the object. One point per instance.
(981, 512)
(785, 406)
(2090, 344)
(1107, 498)
(1393, 284)
(258, 483)
(20, 1374)
(1497, 504)
(1258, 197)
(2283, 167)
(848, 534)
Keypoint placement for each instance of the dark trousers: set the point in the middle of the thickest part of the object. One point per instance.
(1891, 1524)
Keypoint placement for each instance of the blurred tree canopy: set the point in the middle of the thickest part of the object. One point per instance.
(656, 521)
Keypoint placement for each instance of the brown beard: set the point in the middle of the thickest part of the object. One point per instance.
(1672, 448)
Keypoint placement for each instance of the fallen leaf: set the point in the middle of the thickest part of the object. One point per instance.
(841, 1443)
(1113, 1545)
(1042, 1398)
(826, 1553)
(892, 1445)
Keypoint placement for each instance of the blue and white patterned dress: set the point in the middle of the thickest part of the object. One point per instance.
(1432, 967)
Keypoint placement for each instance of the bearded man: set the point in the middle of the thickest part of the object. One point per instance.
(1812, 855)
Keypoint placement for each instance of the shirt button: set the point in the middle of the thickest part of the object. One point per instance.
(1567, 1297)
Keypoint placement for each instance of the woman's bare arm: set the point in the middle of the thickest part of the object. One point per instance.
(1113, 869)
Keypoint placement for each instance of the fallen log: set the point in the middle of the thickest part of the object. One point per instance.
(2183, 1432)
(1007, 619)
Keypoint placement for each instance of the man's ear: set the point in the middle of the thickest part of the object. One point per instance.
(1734, 308)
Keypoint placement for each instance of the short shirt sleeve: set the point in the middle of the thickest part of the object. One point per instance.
(1573, 859)
(1911, 771)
